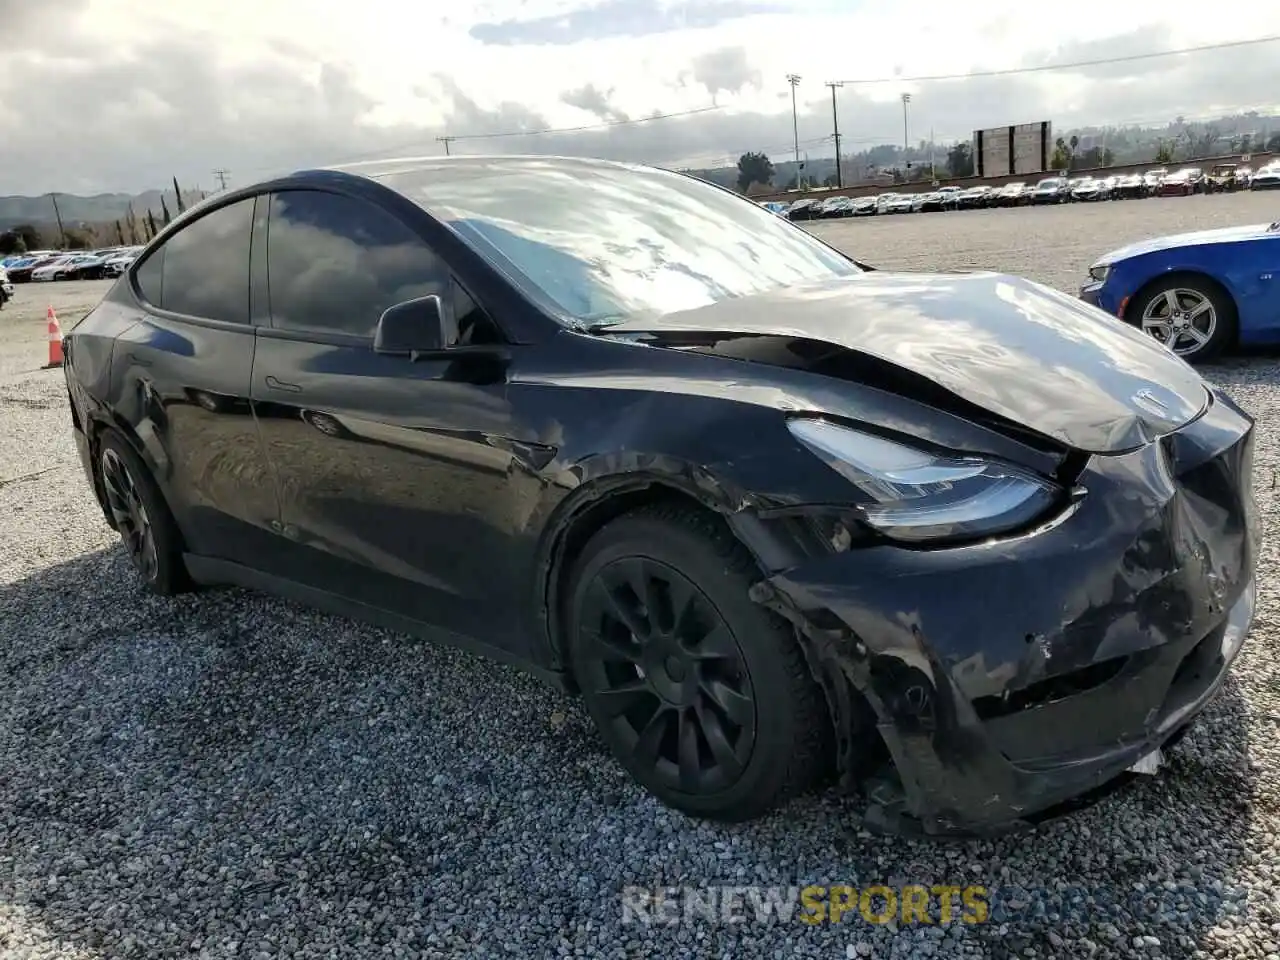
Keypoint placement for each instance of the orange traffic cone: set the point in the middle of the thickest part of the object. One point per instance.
(55, 340)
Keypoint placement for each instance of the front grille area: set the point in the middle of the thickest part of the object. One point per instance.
(1049, 690)
(1197, 671)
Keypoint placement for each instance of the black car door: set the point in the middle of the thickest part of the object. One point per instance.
(182, 382)
(396, 480)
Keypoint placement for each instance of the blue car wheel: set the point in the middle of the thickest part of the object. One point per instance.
(1194, 318)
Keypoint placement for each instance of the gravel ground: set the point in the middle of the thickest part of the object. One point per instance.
(229, 775)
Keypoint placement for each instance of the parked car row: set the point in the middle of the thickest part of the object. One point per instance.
(47, 265)
(1184, 182)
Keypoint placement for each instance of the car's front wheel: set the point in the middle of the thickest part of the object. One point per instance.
(1191, 316)
(141, 517)
(699, 692)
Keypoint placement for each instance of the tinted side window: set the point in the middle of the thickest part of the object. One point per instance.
(336, 263)
(206, 265)
(150, 277)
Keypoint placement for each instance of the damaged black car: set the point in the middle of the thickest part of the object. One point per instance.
(773, 514)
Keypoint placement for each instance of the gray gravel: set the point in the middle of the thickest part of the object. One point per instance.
(229, 775)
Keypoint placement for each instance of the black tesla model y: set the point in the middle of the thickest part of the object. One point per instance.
(773, 513)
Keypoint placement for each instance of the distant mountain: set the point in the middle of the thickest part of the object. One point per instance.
(100, 209)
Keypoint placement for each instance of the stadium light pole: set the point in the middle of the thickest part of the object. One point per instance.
(906, 98)
(835, 124)
(794, 79)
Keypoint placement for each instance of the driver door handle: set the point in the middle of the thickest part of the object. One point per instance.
(282, 386)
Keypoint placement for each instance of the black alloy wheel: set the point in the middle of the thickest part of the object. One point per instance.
(703, 695)
(132, 521)
(141, 517)
(670, 675)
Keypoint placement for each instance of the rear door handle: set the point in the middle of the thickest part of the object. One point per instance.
(274, 384)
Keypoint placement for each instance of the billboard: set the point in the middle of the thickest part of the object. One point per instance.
(1019, 150)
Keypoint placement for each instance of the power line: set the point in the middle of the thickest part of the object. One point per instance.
(603, 125)
(835, 126)
(705, 159)
(794, 80)
(446, 141)
(1102, 61)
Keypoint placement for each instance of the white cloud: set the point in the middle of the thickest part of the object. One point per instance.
(120, 94)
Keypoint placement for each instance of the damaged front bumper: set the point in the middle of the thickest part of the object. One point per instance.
(1008, 678)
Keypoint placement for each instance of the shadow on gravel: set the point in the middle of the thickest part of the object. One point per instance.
(228, 775)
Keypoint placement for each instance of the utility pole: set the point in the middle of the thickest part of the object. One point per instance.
(58, 213)
(933, 157)
(446, 141)
(222, 178)
(793, 79)
(835, 123)
(906, 145)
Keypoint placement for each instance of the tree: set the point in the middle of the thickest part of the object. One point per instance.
(1061, 158)
(1204, 145)
(11, 243)
(1164, 152)
(754, 168)
(164, 207)
(960, 160)
(177, 192)
(1094, 157)
(30, 236)
(80, 238)
(151, 224)
(131, 221)
(119, 234)
(1273, 143)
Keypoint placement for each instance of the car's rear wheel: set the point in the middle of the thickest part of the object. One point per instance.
(141, 517)
(699, 692)
(1194, 318)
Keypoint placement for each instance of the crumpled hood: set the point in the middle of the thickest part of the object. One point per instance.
(1032, 355)
(1196, 238)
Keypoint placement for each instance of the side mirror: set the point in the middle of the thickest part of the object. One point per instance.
(412, 327)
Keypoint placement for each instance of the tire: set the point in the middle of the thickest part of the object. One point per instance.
(1185, 290)
(728, 672)
(142, 518)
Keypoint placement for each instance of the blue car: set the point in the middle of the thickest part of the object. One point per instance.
(1197, 293)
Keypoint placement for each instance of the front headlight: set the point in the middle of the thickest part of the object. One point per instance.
(1099, 271)
(914, 495)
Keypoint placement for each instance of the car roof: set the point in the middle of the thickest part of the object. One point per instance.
(460, 166)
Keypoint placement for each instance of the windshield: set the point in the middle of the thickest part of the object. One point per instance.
(599, 242)
(1051, 182)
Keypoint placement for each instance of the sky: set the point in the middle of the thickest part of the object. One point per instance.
(120, 95)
